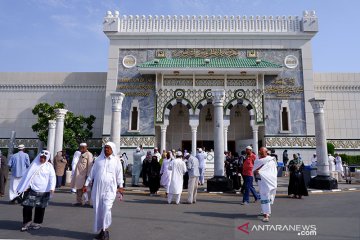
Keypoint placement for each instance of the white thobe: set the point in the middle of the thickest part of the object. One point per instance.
(165, 174)
(178, 169)
(339, 167)
(107, 174)
(331, 163)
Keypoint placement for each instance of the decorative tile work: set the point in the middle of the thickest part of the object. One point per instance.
(241, 82)
(178, 82)
(309, 142)
(209, 82)
(255, 96)
(135, 141)
(196, 96)
(28, 142)
(291, 141)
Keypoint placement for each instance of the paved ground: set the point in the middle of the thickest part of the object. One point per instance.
(215, 216)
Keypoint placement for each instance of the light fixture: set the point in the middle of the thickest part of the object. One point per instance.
(211, 72)
(207, 60)
(208, 117)
(156, 61)
(258, 61)
(243, 73)
(176, 73)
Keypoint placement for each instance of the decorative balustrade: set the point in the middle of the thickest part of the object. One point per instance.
(208, 24)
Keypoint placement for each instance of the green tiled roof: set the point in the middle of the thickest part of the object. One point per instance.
(214, 63)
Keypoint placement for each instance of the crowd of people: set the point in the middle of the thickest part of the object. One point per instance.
(96, 181)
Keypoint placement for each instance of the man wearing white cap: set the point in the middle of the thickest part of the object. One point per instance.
(18, 163)
(201, 156)
(178, 168)
(157, 154)
(82, 171)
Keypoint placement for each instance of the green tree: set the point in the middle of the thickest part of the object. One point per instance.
(77, 128)
(330, 148)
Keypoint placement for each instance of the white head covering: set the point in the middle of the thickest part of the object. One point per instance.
(138, 149)
(34, 167)
(179, 154)
(83, 145)
(21, 146)
(200, 149)
(113, 147)
(249, 147)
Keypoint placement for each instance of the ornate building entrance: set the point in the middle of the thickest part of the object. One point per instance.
(184, 103)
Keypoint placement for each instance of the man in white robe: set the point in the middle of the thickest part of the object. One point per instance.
(331, 163)
(74, 162)
(106, 177)
(338, 165)
(265, 171)
(18, 163)
(138, 158)
(178, 169)
(165, 172)
(157, 154)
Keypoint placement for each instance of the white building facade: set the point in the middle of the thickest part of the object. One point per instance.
(167, 67)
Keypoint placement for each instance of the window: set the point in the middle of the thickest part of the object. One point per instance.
(134, 116)
(285, 122)
(285, 119)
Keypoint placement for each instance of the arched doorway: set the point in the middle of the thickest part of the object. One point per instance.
(205, 133)
(179, 130)
(239, 131)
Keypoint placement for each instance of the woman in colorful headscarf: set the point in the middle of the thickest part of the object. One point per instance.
(38, 184)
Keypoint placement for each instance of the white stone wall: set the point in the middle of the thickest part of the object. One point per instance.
(342, 106)
(83, 93)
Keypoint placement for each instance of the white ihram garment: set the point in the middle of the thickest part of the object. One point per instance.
(268, 182)
(107, 175)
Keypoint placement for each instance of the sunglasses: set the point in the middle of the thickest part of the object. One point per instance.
(44, 153)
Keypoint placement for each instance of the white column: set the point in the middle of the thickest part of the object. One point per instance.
(218, 97)
(194, 123)
(163, 137)
(193, 139)
(115, 133)
(320, 135)
(226, 130)
(255, 130)
(50, 146)
(59, 130)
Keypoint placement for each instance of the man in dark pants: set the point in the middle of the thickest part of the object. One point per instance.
(248, 176)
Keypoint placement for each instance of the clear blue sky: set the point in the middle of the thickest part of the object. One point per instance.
(65, 35)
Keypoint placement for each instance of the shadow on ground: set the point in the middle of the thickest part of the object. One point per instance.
(45, 231)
